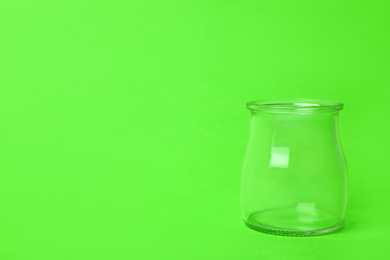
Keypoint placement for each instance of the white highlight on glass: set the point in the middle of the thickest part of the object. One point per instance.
(280, 157)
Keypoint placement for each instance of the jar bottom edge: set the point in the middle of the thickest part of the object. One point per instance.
(281, 232)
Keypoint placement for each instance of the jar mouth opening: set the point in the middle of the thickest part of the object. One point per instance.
(295, 106)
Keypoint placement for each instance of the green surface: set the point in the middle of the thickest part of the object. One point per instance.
(123, 123)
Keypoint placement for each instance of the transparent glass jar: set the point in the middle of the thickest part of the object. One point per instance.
(294, 178)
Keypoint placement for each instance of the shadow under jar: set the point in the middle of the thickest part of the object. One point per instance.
(294, 178)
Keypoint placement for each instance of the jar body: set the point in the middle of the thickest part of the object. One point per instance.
(294, 178)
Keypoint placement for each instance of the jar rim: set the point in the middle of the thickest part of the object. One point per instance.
(295, 106)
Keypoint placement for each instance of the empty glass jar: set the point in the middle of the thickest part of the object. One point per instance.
(294, 179)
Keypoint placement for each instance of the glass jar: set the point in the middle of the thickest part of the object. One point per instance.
(294, 178)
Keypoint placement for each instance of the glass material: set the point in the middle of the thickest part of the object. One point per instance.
(294, 179)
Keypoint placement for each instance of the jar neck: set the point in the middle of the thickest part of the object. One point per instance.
(285, 130)
(295, 119)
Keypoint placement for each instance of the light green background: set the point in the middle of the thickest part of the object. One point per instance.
(123, 123)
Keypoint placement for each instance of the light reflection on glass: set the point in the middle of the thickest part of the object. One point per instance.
(308, 213)
(280, 157)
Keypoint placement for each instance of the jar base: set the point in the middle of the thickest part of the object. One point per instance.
(294, 222)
